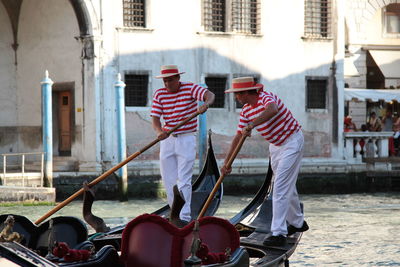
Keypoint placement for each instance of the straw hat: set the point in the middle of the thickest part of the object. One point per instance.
(243, 84)
(169, 70)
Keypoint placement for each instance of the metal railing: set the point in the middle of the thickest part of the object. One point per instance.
(23, 173)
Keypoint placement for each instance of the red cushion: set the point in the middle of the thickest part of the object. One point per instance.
(150, 240)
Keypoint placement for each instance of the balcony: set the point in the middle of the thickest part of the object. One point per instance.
(360, 146)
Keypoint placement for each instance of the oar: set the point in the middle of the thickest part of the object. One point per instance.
(110, 171)
(221, 178)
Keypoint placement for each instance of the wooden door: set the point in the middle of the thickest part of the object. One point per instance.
(64, 101)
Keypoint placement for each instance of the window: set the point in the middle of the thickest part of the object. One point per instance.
(392, 19)
(242, 16)
(136, 90)
(245, 16)
(134, 13)
(217, 85)
(214, 15)
(317, 18)
(316, 93)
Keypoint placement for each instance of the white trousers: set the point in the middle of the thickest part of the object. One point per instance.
(177, 156)
(285, 162)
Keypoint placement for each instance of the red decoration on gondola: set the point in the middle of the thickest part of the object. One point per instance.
(62, 250)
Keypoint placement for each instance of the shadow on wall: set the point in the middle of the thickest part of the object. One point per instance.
(200, 62)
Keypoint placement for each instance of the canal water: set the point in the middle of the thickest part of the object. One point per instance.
(345, 230)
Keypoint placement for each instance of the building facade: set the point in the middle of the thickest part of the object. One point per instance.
(372, 56)
(295, 48)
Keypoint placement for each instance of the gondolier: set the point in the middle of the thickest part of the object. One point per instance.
(268, 114)
(175, 102)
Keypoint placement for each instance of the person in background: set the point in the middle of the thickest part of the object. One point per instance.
(396, 135)
(349, 125)
(387, 122)
(374, 123)
(174, 103)
(267, 113)
(364, 128)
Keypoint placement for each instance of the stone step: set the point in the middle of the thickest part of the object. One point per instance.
(60, 164)
(21, 194)
(29, 179)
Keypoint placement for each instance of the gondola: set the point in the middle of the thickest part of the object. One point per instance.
(254, 224)
(74, 232)
(150, 240)
(201, 188)
(243, 235)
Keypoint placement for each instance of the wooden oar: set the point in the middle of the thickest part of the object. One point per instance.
(221, 178)
(110, 171)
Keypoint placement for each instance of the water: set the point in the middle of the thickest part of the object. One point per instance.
(345, 230)
(350, 230)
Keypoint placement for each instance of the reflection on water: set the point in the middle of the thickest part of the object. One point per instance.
(345, 230)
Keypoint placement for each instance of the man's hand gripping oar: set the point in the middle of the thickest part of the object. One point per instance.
(113, 169)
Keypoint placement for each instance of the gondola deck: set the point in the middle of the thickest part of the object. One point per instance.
(253, 224)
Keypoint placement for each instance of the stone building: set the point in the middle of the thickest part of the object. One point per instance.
(372, 56)
(295, 48)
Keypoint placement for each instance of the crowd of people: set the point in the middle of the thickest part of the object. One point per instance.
(389, 123)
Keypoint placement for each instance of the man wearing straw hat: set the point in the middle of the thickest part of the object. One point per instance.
(265, 112)
(176, 102)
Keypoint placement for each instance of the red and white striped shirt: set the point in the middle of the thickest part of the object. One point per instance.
(275, 130)
(176, 107)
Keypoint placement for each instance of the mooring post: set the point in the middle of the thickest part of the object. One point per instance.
(47, 130)
(120, 106)
(202, 135)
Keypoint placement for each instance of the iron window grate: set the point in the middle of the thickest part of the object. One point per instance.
(316, 94)
(214, 15)
(317, 18)
(136, 90)
(134, 13)
(246, 16)
(217, 85)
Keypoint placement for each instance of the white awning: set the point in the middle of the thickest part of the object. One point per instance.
(388, 62)
(371, 94)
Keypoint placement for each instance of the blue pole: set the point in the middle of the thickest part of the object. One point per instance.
(202, 134)
(120, 106)
(47, 130)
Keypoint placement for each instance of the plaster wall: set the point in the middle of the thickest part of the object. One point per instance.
(46, 41)
(8, 97)
(46, 36)
(278, 55)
